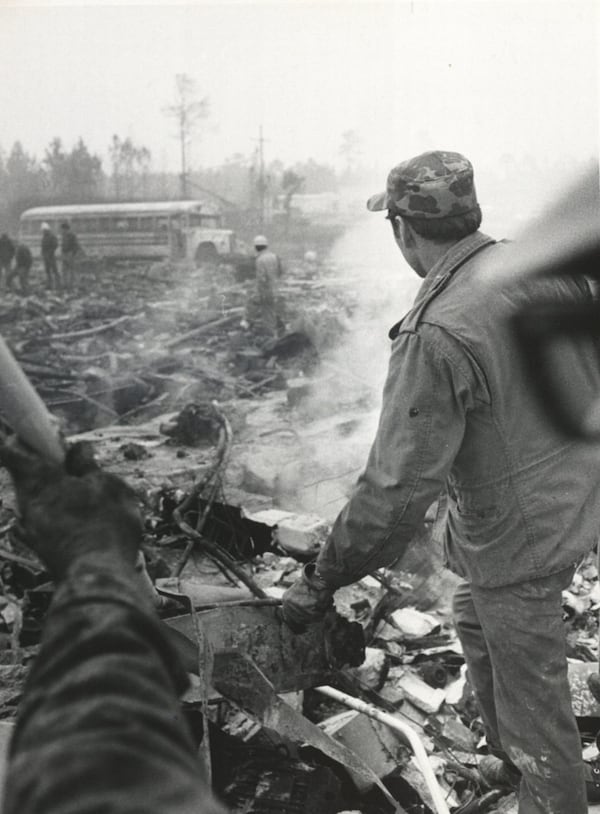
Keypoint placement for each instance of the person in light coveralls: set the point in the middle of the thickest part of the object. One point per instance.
(521, 504)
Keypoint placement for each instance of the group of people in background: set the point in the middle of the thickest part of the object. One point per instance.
(16, 260)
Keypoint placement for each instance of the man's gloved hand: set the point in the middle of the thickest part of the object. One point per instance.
(72, 511)
(307, 600)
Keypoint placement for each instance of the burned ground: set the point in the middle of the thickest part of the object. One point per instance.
(242, 448)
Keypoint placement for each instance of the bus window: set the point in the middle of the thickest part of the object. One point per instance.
(162, 224)
(208, 221)
(146, 224)
(211, 221)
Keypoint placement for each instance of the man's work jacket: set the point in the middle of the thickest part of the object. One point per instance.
(268, 271)
(459, 416)
(49, 244)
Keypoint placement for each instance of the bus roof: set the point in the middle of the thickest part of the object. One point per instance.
(138, 208)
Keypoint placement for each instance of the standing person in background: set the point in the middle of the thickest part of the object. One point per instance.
(268, 272)
(7, 252)
(49, 246)
(69, 248)
(23, 264)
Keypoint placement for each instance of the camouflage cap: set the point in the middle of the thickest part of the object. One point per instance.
(435, 184)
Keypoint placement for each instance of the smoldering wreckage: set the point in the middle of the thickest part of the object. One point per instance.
(207, 419)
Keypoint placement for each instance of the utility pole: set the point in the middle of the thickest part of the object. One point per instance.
(261, 159)
(262, 181)
(182, 140)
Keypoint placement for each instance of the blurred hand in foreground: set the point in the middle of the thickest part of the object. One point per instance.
(307, 600)
(72, 511)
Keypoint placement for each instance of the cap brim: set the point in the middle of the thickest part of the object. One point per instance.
(377, 203)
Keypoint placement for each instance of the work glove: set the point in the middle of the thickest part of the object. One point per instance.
(73, 511)
(307, 600)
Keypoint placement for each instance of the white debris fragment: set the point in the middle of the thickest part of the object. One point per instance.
(373, 671)
(427, 698)
(414, 623)
(387, 633)
(578, 604)
(455, 690)
(392, 694)
(295, 533)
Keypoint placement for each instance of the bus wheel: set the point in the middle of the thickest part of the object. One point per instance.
(206, 254)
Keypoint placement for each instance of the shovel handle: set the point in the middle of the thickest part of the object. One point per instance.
(24, 410)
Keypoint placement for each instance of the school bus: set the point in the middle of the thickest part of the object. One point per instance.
(174, 230)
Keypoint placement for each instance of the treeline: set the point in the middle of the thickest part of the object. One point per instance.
(77, 175)
(73, 175)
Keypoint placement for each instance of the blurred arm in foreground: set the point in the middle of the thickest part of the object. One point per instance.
(99, 726)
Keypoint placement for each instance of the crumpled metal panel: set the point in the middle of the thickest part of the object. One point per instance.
(290, 661)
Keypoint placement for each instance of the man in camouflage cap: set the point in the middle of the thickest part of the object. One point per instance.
(520, 504)
(431, 186)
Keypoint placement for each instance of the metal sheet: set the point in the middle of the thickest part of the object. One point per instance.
(290, 661)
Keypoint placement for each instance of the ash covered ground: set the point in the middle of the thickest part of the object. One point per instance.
(254, 443)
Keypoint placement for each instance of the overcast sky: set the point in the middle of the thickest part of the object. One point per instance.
(485, 78)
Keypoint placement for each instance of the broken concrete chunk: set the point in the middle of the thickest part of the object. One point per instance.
(392, 694)
(421, 694)
(414, 716)
(371, 582)
(414, 623)
(302, 534)
(298, 534)
(373, 671)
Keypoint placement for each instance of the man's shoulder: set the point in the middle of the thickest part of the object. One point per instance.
(268, 259)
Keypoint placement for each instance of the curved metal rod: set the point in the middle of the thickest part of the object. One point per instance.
(408, 735)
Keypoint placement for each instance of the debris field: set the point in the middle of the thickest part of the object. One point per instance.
(242, 448)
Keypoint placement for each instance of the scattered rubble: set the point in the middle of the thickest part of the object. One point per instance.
(209, 422)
